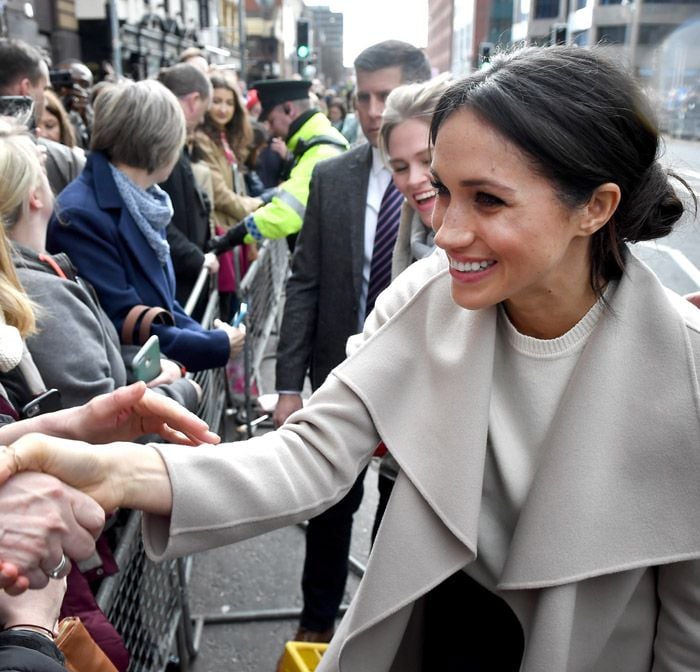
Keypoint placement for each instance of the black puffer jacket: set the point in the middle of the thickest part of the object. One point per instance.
(25, 651)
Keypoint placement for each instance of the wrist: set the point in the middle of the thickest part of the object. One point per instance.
(146, 486)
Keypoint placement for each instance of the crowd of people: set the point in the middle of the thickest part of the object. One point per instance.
(462, 300)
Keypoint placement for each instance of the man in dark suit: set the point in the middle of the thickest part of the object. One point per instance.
(23, 72)
(326, 301)
(189, 231)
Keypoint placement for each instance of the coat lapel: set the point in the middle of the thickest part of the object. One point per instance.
(614, 492)
(618, 492)
(435, 428)
(359, 163)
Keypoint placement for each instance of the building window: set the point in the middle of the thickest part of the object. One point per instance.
(610, 2)
(654, 33)
(612, 34)
(580, 4)
(546, 9)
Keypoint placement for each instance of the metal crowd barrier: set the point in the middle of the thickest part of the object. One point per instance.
(261, 289)
(212, 406)
(147, 602)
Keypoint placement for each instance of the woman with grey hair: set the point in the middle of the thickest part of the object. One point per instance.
(111, 221)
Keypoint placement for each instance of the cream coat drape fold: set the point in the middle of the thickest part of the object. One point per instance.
(617, 491)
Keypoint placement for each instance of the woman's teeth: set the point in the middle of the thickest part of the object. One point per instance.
(472, 266)
(424, 196)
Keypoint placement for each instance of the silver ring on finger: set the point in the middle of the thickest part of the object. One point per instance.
(57, 571)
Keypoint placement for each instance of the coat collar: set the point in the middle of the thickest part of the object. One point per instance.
(107, 195)
(615, 491)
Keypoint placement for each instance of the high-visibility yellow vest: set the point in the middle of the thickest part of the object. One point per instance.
(284, 214)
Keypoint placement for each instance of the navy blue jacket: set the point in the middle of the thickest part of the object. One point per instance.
(93, 226)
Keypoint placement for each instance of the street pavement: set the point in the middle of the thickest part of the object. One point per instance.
(248, 595)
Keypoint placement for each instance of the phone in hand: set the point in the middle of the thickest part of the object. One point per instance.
(240, 315)
(146, 362)
(46, 402)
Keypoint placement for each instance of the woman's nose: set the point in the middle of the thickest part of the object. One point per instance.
(452, 230)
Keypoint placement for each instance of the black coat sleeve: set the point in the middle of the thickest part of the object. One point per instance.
(25, 651)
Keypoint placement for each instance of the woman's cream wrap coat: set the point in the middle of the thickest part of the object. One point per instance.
(618, 490)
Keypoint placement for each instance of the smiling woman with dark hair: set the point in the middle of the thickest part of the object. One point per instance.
(536, 384)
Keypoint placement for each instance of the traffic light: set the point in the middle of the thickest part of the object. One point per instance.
(303, 49)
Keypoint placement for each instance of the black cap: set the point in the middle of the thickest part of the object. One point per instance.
(273, 92)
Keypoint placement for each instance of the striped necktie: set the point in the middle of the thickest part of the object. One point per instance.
(384, 239)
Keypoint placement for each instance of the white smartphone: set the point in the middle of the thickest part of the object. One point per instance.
(146, 362)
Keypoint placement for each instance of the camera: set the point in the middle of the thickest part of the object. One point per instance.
(61, 79)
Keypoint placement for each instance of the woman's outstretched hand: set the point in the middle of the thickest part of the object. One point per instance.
(122, 415)
(134, 410)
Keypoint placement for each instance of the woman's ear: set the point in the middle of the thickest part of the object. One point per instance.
(600, 208)
(36, 200)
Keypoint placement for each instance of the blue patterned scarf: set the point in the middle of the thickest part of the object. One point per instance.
(151, 209)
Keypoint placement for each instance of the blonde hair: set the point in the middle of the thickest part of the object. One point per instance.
(20, 172)
(410, 101)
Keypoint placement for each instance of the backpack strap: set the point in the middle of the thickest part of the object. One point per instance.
(304, 146)
(61, 265)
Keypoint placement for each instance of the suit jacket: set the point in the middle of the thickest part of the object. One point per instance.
(323, 292)
(93, 226)
(188, 232)
(63, 164)
(606, 549)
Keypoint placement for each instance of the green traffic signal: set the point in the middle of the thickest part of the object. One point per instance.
(303, 51)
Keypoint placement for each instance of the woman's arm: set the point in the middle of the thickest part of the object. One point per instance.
(72, 348)
(122, 415)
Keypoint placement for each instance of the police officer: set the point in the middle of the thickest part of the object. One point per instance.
(288, 110)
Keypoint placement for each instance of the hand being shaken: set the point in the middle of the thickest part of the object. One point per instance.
(42, 520)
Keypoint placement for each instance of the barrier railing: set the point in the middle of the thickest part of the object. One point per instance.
(261, 290)
(212, 381)
(147, 602)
